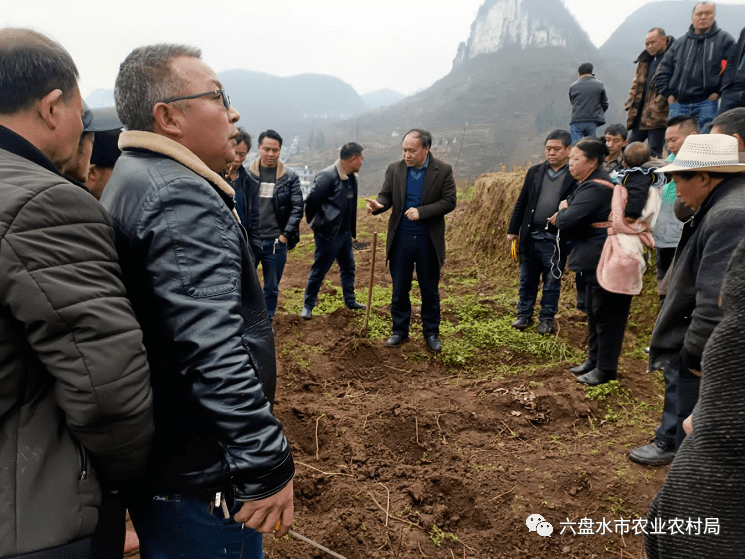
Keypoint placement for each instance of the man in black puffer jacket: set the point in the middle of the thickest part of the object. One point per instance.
(75, 398)
(733, 79)
(187, 267)
(690, 72)
(280, 208)
(331, 210)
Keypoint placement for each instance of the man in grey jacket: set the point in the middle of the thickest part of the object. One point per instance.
(710, 181)
(668, 227)
(589, 103)
(75, 403)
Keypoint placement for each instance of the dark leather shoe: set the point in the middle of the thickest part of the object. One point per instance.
(597, 376)
(585, 367)
(396, 340)
(355, 306)
(522, 322)
(307, 313)
(434, 343)
(545, 327)
(656, 453)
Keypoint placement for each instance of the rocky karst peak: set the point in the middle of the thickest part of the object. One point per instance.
(522, 23)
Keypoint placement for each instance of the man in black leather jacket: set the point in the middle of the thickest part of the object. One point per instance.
(331, 210)
(541, 258)
(219, 451)
(280, 209)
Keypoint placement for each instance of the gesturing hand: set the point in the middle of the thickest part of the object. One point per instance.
(373, 205)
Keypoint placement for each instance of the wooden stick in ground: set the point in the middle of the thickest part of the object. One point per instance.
(372, 278)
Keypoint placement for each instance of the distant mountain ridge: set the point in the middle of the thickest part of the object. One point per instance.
(381, 98)
(292, 105)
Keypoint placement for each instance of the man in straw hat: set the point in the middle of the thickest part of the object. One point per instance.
(710, 180)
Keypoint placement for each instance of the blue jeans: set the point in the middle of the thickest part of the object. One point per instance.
(731, 99)
(338, 248)
(273, 256)
(541, 259)
(182, 527)
(582, 129)
(704, 111)
(411, 251)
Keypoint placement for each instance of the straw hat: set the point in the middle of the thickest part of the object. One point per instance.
(707, 152)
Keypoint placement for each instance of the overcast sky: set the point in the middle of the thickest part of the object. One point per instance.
(405, 45)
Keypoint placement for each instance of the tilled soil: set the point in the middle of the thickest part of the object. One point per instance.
(400, 456)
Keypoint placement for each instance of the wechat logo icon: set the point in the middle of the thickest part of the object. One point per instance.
(536, 523)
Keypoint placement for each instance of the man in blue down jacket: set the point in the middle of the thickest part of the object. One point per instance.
(690, 74)
(75, 397)
(331, 210)
(221, 458)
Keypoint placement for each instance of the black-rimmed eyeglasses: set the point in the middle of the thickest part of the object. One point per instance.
(221, 92)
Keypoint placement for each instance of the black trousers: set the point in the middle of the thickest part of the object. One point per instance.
(607, 314)
(80, 549)
(410, 251)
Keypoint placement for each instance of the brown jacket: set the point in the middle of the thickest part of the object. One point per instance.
(654, 112)
(438, 199)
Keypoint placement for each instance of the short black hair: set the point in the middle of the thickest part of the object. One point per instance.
(593, 148)
(687, 121)
(425, 138)
(563, 135)
(732, 122)
(244, 137)
(272, 135)
(349, 150)
(105, 148)
(31, 66)
(585, 68)
(659, 30)
(617, 130)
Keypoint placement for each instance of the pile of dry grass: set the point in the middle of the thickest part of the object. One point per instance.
(481, 227)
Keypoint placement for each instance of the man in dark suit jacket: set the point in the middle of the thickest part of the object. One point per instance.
(421, 190)
(545, 186)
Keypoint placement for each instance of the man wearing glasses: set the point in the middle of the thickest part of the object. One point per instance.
(221, 469)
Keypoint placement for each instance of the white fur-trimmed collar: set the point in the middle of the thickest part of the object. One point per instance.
(165, 146)
(255, 171)
(340, 169)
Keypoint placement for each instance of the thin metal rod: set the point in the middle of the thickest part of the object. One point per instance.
(300, 537)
